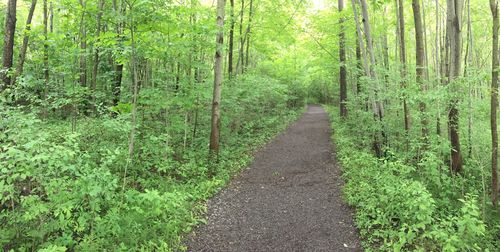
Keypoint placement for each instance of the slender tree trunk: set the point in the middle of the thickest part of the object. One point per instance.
(242, 39)
(402, 60)
(359, 67)
(8, 44)
(361, 45)
(24, 47)
(467, 63)
(363, 59)
(118, 73)
(83, 46)
(437, 55)
(218, 77)
(248, 35)
(135, 94)
(377, 106)
(231, 41)
(494, 103)
(420, 64)
(343, 71)
(95, 66)
(51, 17)
(426, 49)
(45, 50)
(455, 41)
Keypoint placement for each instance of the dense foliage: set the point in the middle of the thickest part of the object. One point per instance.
(409, 195)
(74, 189)
(105, 115)
(404, 205)
(69, 178)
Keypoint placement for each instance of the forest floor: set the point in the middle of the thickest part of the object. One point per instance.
(288, 199)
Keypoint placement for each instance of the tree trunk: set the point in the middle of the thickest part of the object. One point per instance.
(360, 40)
(231, 42)
(8, 44)
(343, 71)
(359, 67)
(377, 106)
(421, 70)
(455, 43)
(467, 63)
(242, 39)
(363, 59)
(45, 49)
(215, 125)
(95, 66)
(494, 104)
(247, 35)
(83, 46)
(51, 17)
(402, 60)
(24, 47)
(118, 74)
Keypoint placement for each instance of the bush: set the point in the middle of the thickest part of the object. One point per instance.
(396, 210)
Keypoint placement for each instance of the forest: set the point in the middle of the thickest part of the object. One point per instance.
(120, 119)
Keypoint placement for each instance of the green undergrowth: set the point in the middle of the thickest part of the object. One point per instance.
(403, 205)
(75, 190)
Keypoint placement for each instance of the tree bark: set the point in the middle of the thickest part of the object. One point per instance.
(359, 67)
(242, 39)
(421, 70)
(215, 120)
(494, 103)
(455, 43)
(95, 66)
(402, 61)
(248, 35)
(24, 47)
(51, 17)
(83, 46)
(45, 49)
(342, 57)
(8, 44)
(377, 106)
(231, 42)
(118, 73)
(360, 46)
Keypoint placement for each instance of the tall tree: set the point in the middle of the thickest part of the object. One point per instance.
(494, 102)
(218, 76)
(24, 46)
(242, 40)
(454, 8)
(45, 47)
(402, 61)
(377, 105)
(361, 51)
(8, 44)
(231, 41)
(420, 63)
(248, 34)
(119, 10)
(342, 57)
(95, 65)
(51, 17)
(83, 45)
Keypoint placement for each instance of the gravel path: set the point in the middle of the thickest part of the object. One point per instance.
(289, 199)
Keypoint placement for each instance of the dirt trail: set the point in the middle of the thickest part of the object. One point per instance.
(289, 199)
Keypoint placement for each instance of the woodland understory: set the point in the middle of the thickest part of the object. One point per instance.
(120, 118)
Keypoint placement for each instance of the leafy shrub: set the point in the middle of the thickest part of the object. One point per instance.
(401, 207)
(74, 188)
